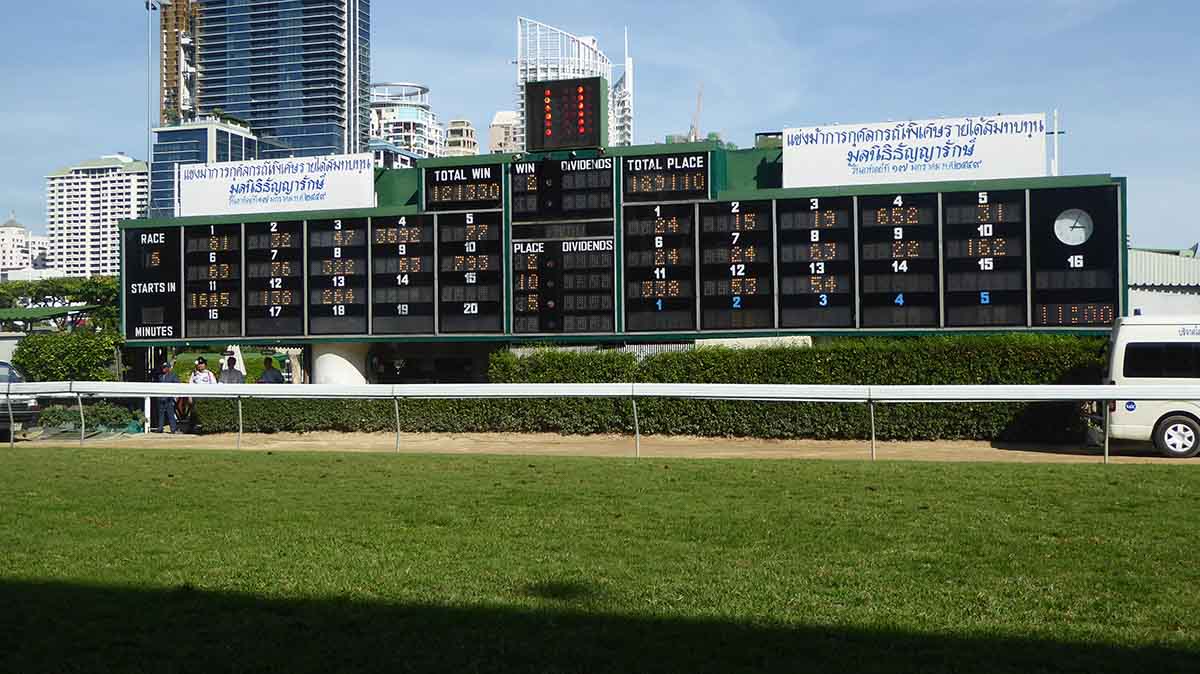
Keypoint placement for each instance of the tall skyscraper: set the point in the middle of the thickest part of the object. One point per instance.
(548, 53)
(84, 203)
(401, 115)
(297, 71)
(177, 58)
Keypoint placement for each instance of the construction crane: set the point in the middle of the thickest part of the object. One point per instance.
(694, 132)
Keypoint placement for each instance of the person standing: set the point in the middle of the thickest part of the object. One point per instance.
(202, 375)
(166, 405)
(271, 374)
(231, 375)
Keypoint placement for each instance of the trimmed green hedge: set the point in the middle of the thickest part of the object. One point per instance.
(1002, 359)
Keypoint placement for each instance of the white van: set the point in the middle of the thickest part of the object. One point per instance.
(1157, 350)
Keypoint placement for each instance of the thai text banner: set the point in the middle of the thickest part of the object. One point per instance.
(957, 148)
(273, 185)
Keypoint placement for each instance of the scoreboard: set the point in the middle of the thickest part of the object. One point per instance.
(590, 244)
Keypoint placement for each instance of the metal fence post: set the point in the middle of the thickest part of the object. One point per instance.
(637, 431)
(872, 406)
(146, 409)
(82, 422)
(1106, 432)
(12, 443)
(239, 438)
(396, 408)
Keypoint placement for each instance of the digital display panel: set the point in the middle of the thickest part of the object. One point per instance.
(736, 266)
(151, 283)
(983, 239)
(566, 190)
(337, 276)
(275, 278)
(816, 262)
(471, 272)
(464, 188)
(660, 267)
(666, 177)
(898, 264)
(563, 286)
(565, 114)
(212, 261)
(402, 269)
(1075, 239)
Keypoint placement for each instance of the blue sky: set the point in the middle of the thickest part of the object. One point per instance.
(1124, 74)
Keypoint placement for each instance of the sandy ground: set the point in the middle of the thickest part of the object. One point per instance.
(545, 444)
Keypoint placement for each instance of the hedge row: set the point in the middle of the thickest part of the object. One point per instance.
(1006, 359)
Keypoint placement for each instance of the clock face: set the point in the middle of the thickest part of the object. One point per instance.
(1073, 227)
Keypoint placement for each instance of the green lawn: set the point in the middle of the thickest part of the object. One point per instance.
(218, 561)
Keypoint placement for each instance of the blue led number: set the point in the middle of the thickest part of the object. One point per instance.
(900, 300)
(658, 303)
(737, 301)
(823, 300)
(985, 297)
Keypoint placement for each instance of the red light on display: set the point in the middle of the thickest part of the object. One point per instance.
(569, 111)
(548, 132)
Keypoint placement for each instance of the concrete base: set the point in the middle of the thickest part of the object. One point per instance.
(340, 363)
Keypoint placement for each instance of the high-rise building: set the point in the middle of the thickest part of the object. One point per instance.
(402, 116)
(84, 203)
(502, 134)
(297, 71)
(460, 139)
(547, 53)
(20, 248)
(205, 140)
(177, 59)
(391, 156)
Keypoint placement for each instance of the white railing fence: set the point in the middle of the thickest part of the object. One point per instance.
(871, 395)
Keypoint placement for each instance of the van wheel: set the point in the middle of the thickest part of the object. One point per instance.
(1178, 437)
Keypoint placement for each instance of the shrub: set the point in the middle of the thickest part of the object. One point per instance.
(95, 415)
(1003, 359)
(80, 355)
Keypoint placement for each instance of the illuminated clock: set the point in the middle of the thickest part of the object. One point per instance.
(1073, 227)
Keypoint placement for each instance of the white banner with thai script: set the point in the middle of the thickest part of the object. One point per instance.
(272, 185)
(957, 148)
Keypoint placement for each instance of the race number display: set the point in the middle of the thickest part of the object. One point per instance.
(816, 262)
(275, 278)
(736, 268)
(660, 267)
(213, 280)
(471, 272)
(898, 241)
(402, 274)
(983, 236)
(1075, 239)
(337, 276)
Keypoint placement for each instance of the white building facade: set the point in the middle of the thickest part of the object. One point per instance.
(502, 134)
(401, 115)
(547, 53)
(84, 203)
(460, 139)
(19, 248)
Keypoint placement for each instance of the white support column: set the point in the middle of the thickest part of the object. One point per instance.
(340, 363)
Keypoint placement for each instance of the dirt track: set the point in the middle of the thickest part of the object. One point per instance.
(623, 446)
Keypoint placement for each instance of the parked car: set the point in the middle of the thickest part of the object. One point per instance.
(25, 408)
(1157, 350)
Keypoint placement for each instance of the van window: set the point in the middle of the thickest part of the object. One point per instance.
(1163, 360)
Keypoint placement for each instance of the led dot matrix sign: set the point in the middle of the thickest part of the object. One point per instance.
(564, 114)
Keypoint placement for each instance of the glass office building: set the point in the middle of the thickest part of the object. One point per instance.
(202, 141)
(298, 71)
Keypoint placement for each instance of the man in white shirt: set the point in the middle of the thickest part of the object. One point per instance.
(202, 375)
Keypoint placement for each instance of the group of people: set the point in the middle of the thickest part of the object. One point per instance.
(202, 375)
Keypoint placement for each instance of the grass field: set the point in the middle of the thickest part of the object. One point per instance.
(238, 562)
